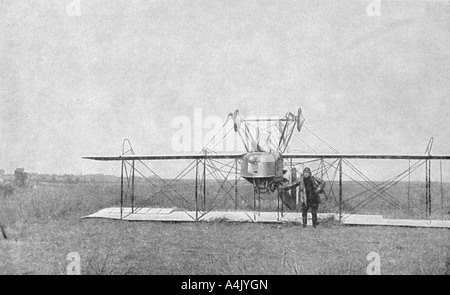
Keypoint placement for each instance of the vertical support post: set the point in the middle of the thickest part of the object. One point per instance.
(121, 190)
(259, 203)
(409, 184)
(235, 185)
(291, 180)
(442, 193)
(426, 188)
(204, 184)
(278, 205)
(254, 201)
(196, 190)
(291, 177)
(340, 190)
(132, 187)
(429, 188)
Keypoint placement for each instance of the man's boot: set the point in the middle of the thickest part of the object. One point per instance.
(314, 219)
(305, 220)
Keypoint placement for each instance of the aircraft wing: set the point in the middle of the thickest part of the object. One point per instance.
(285, 156)
(165, 157)
(366, 156)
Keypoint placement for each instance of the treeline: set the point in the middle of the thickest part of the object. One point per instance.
(71, 178)
(26, 178)
(21, 178)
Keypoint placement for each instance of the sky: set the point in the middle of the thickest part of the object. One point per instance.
(77, 84)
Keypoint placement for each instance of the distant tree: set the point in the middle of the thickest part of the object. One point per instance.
(8, 189)
(20, 177)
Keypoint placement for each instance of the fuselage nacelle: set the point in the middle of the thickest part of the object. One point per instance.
(262, 168)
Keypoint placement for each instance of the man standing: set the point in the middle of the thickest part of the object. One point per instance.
(310, 189)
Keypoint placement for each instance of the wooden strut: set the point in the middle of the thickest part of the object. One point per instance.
(426, 188)
(235, 185)
(340, 190)
(254, 201)
(132, 188)
(204, 185)
(259, 202)
(429, 188)
(278, 205)
(409, 184)
(121, 190)
(196, 190)
(442, 193)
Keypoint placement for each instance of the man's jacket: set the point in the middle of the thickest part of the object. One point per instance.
(318, 184)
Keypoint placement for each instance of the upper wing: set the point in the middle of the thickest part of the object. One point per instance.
(285, 156)
(165, 157)
(367, 156)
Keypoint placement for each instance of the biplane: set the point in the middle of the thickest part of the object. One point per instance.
(270, 167)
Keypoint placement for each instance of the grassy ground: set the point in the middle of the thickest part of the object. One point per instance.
(43, 225)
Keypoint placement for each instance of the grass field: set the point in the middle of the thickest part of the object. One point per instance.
(43, 225)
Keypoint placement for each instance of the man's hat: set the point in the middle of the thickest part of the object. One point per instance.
(307, 170)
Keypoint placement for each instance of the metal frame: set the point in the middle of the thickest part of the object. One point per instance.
(204, 165)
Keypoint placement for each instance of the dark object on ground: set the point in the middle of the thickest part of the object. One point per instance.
(4, 232)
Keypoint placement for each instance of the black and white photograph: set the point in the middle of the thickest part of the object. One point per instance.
(223, 143)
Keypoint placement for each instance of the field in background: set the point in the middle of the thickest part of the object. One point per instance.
(43, 225)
